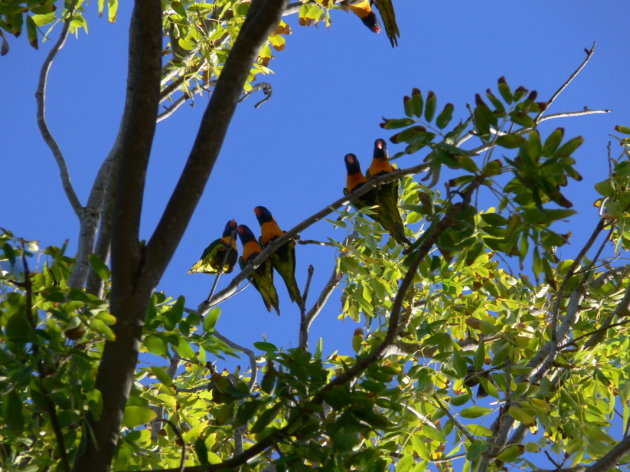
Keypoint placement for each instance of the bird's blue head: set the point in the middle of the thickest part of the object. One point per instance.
(380, 149)
(245, 234)
(262, 214)
(229, 227)
(352, 164)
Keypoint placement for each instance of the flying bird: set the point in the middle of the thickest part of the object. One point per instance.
(220, 256)
(283, 260)
(262, 276)
(363, 9)
(387, 194)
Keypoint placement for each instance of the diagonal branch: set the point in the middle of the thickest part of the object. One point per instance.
(307, 320)
(589, 55)
(40, 97)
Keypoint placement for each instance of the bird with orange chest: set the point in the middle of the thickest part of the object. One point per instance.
(354, 180)
(262, 277)
(220, 255)
(283, 259)
(387, 194)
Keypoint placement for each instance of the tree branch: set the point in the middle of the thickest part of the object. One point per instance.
(307, 320)
(589, 54)
(128, 301)
(40, 97)
(611, 459)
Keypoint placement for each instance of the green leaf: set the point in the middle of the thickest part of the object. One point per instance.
(264, 346)
(552, 142)
(183, 349)
(431, 104)
(567, 148)
(510, 141)
(18, 329)
(521, 415)
(210, 320)
(155, 345)
(265, 418)
(136, 415)
(622, 129)
(476, 449)
(396, 123)
(511, 452)
(475, 411)
(31, 31)
(416, 102)
(99, 267)
(162, 375)
(504, 90)
(13, 416)
(445, 116)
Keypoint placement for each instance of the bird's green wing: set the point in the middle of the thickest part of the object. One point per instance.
(283, 261)
(386, 9)
(262, 279)
(213, 257)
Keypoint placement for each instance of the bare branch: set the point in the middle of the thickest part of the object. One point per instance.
(457, 424)
(40, 96)
(308, 318)
(267, 91)
(589, 54)
(250, 354)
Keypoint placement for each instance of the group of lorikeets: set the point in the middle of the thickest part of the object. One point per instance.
(221, 255)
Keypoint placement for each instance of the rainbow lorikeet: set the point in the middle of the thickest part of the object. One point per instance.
(220, 256)
(387, 194)
(262, 276)
(363, 9)
(354, 180)
(283, 260)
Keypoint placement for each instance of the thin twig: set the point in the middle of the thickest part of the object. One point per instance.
(457, 424)
(267, 91)
(312, 241)
(40, 97)
(307, 320)
(589, 54)
(309, 278)
(182, 460)
(485, 147)
(248, 352)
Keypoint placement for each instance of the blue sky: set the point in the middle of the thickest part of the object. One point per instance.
(330, 89)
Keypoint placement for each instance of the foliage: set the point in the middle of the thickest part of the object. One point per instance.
(462, 362)
(549, 358)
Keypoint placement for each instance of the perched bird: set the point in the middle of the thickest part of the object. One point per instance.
(387, 194)
(363, 9)
(220, 256)
(262, 276)
(356, 179)
(283, 260)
